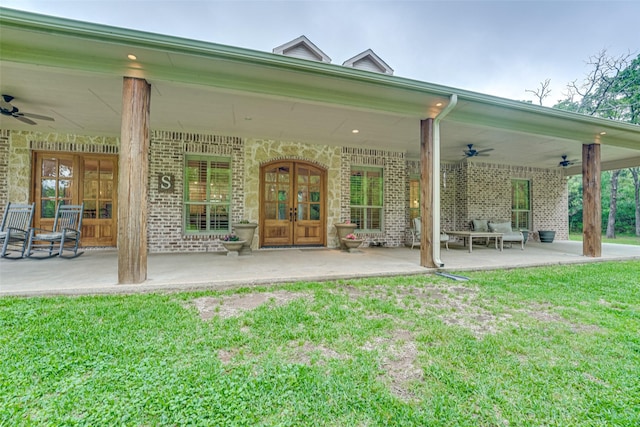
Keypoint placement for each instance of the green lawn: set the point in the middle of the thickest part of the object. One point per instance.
(555, 346)
(622, 240)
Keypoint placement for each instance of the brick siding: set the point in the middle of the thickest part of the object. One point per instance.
(469, 189)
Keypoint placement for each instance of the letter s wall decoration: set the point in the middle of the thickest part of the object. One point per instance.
(166, 183)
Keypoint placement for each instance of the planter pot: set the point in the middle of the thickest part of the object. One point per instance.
(546, 236)
(352, 245)
(245, 232)
(233, 247)
(343, 230)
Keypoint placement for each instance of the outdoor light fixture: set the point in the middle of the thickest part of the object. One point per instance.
(355, 131)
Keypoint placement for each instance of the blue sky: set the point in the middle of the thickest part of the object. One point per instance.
(497, 47)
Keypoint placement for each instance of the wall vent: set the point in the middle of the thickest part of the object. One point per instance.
(302, 48)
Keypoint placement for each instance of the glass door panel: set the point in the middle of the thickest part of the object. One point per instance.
(292, 205)
(55, 177)
(98, 225)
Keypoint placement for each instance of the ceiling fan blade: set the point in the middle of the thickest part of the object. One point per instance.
(486, 150)
(37, 116)
(25, 120)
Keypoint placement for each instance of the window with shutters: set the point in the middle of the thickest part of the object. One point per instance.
(207, 195)
(367, 198)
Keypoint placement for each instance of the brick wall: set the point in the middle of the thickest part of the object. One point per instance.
(469, 189)
(394, 172)
(168, 149)
(485, 193)
(475, 190)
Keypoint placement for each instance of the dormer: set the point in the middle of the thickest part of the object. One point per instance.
(369, 61)
(302, 48)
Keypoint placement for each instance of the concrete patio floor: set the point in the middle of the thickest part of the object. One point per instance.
(96, 271)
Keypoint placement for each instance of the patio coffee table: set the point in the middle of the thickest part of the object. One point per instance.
(469, 235)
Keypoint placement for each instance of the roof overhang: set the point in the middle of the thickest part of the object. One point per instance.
(73, 71)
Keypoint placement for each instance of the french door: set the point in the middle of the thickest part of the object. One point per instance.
(292, 204)
(74, 179)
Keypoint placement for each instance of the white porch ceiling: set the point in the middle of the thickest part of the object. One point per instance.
(75, 76)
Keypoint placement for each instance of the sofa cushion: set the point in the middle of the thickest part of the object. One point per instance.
(480, 225)
(514, 236)
(500, 227)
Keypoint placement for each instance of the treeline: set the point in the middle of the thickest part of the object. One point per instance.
(625, 218)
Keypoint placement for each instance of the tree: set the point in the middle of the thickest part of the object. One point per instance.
(603, 91)
(610, 90)
(636, 194)
(542, 92)
(613, 205)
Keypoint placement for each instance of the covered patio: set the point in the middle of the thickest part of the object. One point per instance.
(96, 271)
(130, 110)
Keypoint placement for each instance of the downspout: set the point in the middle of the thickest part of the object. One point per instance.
(453, 100)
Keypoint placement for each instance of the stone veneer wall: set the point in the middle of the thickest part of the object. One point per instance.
(261, 151)
(468, 189)
(168, 150)
(17, 147)
(395, 176)
(4, 170)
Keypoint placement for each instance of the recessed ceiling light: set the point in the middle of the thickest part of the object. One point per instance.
(132, 57)
(603, 133)
(355, 131)
(439, 104)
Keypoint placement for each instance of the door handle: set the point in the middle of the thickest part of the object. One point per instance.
(295, 214)
(290, 214)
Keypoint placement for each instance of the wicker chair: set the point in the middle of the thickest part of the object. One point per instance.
(14, 233)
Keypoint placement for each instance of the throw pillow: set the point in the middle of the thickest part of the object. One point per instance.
(500, 227)
(480, 225)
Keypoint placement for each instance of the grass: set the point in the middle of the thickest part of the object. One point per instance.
(554, 346)
(620, 239)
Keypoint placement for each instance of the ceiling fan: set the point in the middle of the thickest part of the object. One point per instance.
(566, 163)
(472, 152)
(7, 109)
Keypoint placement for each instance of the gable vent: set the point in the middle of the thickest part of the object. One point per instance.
(302, 48)
(369, 61)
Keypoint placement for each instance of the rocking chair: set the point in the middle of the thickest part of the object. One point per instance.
(67, 228)
(14, 233)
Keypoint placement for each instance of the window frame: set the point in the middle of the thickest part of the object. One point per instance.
(414, 203)
(516, 211)
(367, 208)
(208, 203)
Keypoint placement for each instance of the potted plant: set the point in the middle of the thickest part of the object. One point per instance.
(546, 236)
(245, 231)
(343, 229)
(351, 242)
(232, 243)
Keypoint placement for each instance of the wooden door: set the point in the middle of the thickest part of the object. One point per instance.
(292, 200)
(74, 179)
(98, 190)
